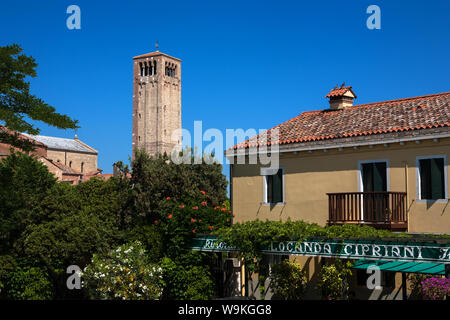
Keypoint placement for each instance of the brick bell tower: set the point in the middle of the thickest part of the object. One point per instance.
(156, 102)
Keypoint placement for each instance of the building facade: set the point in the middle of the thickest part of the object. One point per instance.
(156, 103)
(70, 160)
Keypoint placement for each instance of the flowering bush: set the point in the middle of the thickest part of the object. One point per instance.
(123, 274)
(181, 221)
(435, 288)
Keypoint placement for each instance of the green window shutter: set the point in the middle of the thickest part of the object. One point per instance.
(367, 177)
(425, 178)
(275, 187)
(269, 189)
(437, 178)
(379, 176)
(278, 187)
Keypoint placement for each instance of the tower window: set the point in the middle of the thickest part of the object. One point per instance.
(142, 69)
(154, 67)
(82, 167)
(70, 164)
(170, 70)
(146, 70)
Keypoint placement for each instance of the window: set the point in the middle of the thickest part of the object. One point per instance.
(431, 178)
(374, 176)
(82, 167)
(273, 184)
(70, 164)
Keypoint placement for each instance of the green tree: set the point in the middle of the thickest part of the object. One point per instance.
(156, 178)
(50, 225)
(16, 101)
(23, 183)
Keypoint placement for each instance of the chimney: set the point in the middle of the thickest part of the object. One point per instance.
(341, 97)
(116, 170)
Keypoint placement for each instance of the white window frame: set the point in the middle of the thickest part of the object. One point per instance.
(418, 181)
(264, 174)
(360, 181)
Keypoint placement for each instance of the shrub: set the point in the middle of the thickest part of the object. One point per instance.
(186, 282)
(435, 288)
(333, 279)
(287, 280)
(28, 283)
(124, 273)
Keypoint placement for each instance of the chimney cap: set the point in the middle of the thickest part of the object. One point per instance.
(340, 92)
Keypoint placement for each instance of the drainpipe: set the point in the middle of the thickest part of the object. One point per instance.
(406, 190)
(231, 191)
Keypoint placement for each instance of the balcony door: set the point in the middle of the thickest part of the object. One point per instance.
(374, 180)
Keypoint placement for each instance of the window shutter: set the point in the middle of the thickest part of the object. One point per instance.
(278, 187)
(269, 189)
(379, 177)
(437, 178)
(425, 179)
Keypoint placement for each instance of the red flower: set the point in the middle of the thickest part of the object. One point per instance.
(203, 203)
(224, 209)
(182, 206)
(193, 231)
(229, 211)
(200, 220)
(170, 216)
(168, 198)
(156, 221)
(210, 228)
(203, 192)
(193, 220)
(195, 208)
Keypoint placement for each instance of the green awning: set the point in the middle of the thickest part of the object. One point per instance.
(399, 266)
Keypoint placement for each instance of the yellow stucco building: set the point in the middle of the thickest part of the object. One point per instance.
(382, 164)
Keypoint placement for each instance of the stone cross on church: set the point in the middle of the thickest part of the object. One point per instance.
(156, 102)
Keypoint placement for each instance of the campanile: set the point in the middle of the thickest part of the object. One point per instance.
(156, 102)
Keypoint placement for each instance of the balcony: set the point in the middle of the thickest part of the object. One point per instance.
(383, 210)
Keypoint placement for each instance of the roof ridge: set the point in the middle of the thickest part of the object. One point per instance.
(401, 99)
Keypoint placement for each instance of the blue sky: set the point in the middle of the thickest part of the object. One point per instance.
(246, 64)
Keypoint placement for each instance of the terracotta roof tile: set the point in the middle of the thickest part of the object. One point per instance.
(339, 92)
(415, 113)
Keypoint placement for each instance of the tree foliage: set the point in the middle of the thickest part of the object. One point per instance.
(50, 225)
(288, 280)
(16, 101)
(186, 282)
(333, 279)
(156, 178)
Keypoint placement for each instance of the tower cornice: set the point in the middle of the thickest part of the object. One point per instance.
(154, 54)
